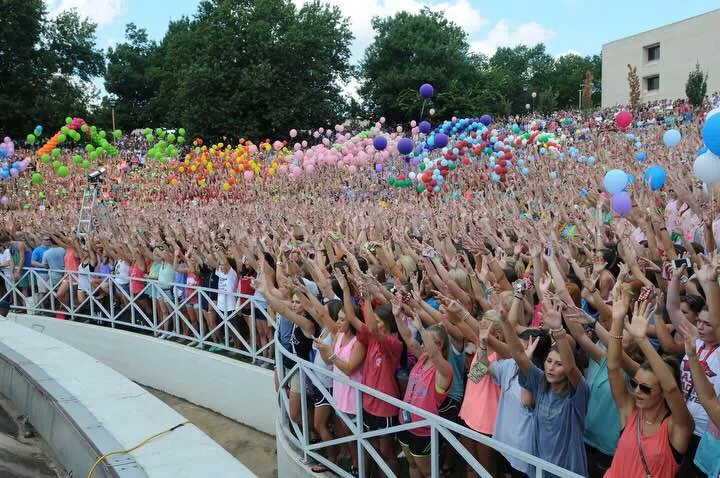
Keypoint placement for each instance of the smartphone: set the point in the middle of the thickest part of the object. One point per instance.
(548, 250)
(678, 263)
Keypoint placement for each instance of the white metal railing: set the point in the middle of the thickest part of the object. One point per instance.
(40, 295)
(141, 311)
(299, 434)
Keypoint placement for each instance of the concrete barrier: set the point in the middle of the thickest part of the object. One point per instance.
(83, 409)
(240, 391)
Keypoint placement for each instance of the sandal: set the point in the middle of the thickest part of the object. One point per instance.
(320, 469)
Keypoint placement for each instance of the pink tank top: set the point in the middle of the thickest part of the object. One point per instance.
(656, 450)
(345, 395)
(422, 392)
(480, 403)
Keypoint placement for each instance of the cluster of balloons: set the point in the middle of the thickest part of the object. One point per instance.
(7, 148)
(616, 182)
(707, 164)
(13, 170)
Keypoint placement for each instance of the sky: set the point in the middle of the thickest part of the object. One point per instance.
(565, 26)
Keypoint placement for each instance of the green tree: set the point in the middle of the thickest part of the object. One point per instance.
(569, 78)
(45, 66)
(547, 100)
(696, 86)
(412, 49)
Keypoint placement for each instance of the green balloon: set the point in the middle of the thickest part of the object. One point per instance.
(158, 131)
(181, 131)
(147, 131)
(422, 166)
(41, 194)
(93, 129)
(45, 158)
(61, 138)
(65, 130)
(420, 187)
(171, 138)
(77, 159)
(31, 138)
(85, 164)
(56, 153)
(75, 136)
(103, 134)
(150, 138)
(63, 171)
(36, 178)
(89, 148)
(117, 133)
(391, 180)
(68, 120)
(93, 155)
(84, 128)
(181, 140)
(453, 166)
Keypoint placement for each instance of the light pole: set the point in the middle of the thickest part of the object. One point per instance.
(534, 95)
(112, 110)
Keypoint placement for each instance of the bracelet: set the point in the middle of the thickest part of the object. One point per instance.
(552, 331)
(617, 337)
(465, 316)
(332, 358)
(561, 332)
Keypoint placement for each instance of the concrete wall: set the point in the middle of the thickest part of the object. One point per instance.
(682, 45)
(242, 392)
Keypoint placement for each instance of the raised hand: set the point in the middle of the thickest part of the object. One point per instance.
(552, 316)
(641, 315)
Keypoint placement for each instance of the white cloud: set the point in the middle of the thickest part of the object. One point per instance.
(361, 13)
(102, 12)
(571, 51)
(530, 33)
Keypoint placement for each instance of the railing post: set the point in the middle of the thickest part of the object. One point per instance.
(253, 335)
(435, 452)
(359, 427)
(304, 413)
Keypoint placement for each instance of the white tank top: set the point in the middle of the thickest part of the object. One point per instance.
(709, 356)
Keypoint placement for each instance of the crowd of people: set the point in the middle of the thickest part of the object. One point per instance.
(525, 310)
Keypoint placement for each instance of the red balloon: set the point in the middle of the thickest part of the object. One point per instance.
(623, 119)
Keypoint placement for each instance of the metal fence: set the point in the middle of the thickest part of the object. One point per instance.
(109, 302)
(168, 311)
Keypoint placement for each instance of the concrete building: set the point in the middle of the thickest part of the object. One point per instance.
(663, 56)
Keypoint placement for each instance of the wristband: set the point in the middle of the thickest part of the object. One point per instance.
(617, 337)
(332, 357)
(552, 331)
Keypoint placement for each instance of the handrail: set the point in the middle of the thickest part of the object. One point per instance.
(437, 424)
(297, 434)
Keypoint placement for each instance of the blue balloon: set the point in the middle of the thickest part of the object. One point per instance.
(525, 171)
(584, 193)
(431, 141)
(493, 139)
(615, 181)
(443, 163)
(629, 136)
(591, 160)
(553, 174)
(671, 138)
(436, 189)
(380, 143)
(426, 90)
(521, 162)
(638, 144)
(543, 150)
(655, 177)
(495, 178)
(711, 134)
(404, 145)
(641, 155)
(441, 140)
(456, 151)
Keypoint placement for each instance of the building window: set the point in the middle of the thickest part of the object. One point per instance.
(652, 83)
(653, 52)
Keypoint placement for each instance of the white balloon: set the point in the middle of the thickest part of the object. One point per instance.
(707, 168)
(412, 175)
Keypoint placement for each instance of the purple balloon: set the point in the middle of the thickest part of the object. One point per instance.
(424, 127)
(441, 140)
(380, 143)
(415, 160)
(621, 202)
(14, 172)
(486, 119)
(378, 168)
(405, 146)
(426, 90)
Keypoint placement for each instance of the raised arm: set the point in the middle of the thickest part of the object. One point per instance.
(515, 347)
(704, 389)
(623, 400)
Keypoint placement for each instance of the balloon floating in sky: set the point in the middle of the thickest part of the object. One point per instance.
(424, 127)
(711, 134)
(621, 202)
(671, 138)
(426, 90)
(380, 143)
(623, 119)
(405, 146)
(441, 140)
(615, 181)
(655, 177)
(707, 168)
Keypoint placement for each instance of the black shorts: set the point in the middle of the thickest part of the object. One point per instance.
(372, 422)
(450, 410)
(419, 446)
(507, 467)
(319, 399)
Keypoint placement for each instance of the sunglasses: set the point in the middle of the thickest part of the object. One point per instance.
(646, 389)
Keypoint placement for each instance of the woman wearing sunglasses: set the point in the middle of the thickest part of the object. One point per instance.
(656, 424)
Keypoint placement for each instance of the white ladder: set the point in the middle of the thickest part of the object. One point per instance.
(87, 207)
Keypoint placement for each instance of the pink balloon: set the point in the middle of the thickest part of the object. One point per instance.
(297, 146)
(413, 123)
(309, 168)
(326, 141)
(454, 118)
(293, 133)
(341, 128)
(248, 175)
(253, 149)
(352, 169)
(399, 129)
(14, 172)
(316, 134)
(294, 169)
(304, 144)
(382, 120)
(4, 201)
(432, 111)
(277, 145)
(321, 130)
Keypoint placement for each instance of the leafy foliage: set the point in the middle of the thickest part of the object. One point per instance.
(696, 86)
(44, 66)
(634, 87)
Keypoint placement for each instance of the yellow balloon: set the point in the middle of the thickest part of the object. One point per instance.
(226, 187)
(193, 168)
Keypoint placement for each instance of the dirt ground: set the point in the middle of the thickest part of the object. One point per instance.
(22, 458)
(254, 449)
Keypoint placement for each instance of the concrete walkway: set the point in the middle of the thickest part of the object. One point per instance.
(254, 449)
